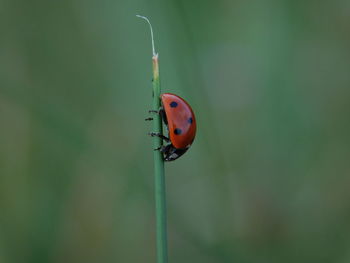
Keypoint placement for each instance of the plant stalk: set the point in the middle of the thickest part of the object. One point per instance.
(160, 196)
(159, 174)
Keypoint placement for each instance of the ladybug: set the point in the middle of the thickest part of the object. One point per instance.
(180, 121)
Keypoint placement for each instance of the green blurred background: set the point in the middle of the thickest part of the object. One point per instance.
(267, 179)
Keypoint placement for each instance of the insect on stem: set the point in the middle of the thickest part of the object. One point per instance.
(150, 26)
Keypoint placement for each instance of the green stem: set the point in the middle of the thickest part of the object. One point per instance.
(159, 174)
(160, 197)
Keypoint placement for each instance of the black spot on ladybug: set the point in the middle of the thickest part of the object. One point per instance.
(190, 120)
(173, 104)
(177, 131)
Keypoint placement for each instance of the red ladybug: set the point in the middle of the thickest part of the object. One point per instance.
(179, 118)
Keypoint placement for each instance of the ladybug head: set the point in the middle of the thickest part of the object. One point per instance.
(171, 153)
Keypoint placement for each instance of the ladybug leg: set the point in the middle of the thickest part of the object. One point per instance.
(152, 111)
(165, 148)
(157, 111)
(163, 116)
(152, 134)
(161, 112)
(162, 148)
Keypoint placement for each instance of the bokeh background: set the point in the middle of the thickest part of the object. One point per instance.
(268, 177)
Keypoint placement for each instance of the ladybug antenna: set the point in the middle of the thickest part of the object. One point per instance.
(150, 26)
